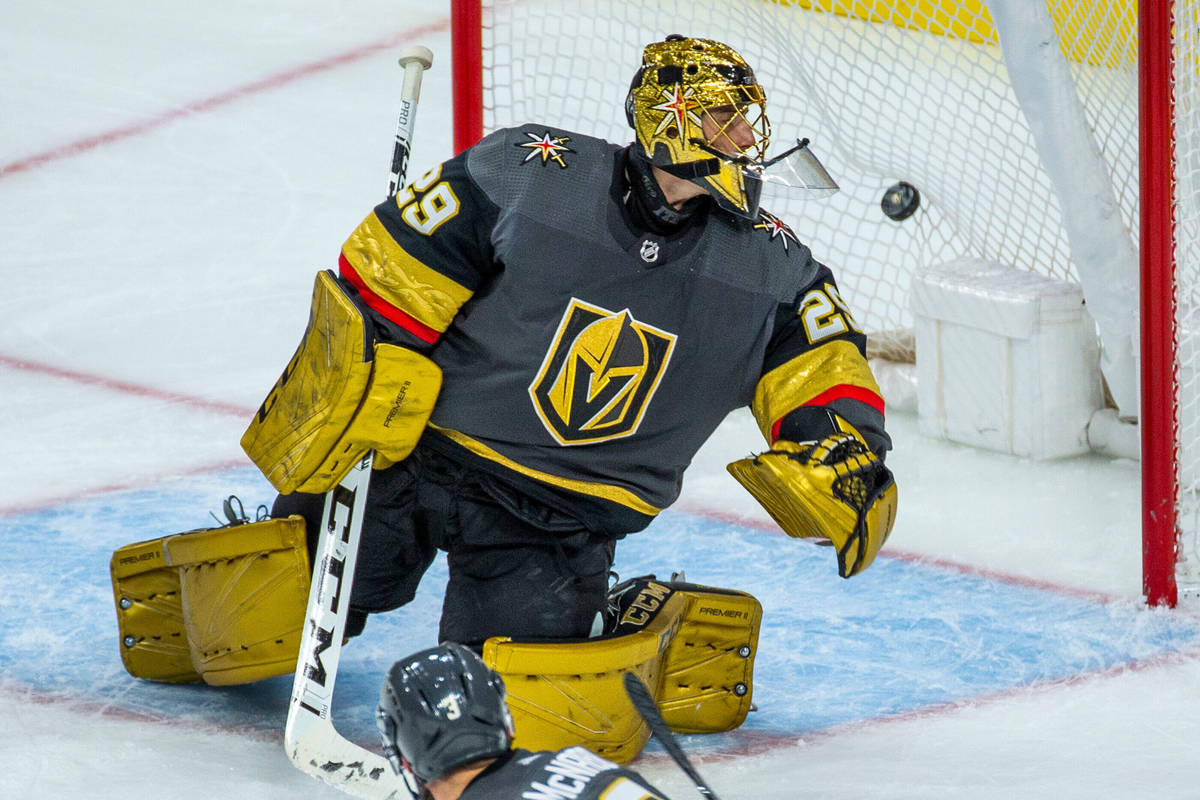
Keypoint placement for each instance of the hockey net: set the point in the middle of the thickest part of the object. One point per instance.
(1011, 165)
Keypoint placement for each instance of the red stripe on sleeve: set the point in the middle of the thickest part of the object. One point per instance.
(389, 311)
(843, 391)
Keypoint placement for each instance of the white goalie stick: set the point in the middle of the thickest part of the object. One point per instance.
(311, 741)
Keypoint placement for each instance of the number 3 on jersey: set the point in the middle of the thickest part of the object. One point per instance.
(425, 209)
(824, 314)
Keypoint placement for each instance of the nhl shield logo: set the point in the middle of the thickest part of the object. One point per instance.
(649, 251)
(599, 375)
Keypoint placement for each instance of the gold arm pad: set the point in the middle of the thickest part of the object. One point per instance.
(294, 438)
(340, 396)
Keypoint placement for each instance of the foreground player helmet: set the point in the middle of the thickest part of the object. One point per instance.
(439, 709)
(699, 114)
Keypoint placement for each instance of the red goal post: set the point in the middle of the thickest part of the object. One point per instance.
(1159, 419)
(894, 90)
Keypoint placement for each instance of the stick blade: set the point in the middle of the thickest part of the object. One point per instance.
(320, 751)
(310, 740)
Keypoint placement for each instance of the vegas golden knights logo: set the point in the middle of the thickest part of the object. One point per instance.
(599, 375)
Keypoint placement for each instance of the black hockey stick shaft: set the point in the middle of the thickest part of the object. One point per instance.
(644, 703)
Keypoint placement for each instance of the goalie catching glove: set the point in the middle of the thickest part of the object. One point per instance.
(835, 489)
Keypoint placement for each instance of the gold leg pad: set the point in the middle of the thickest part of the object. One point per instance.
(223, 606)
(150, 623)
(245, 594)
(571, 693)
(693, 645)
(708, 669)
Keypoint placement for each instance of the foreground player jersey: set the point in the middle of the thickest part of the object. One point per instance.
(579, 352)
(571, 774)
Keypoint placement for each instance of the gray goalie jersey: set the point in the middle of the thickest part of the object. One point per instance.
(571, 774)
(584, 358)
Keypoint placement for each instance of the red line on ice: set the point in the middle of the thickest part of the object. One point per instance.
(90, 143)
(758, 743)
(125, 387)
(747, 521)
(40, 697)
(136, 390)
(47, 503)
(742, 520)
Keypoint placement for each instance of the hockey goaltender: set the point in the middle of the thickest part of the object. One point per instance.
(535, 337)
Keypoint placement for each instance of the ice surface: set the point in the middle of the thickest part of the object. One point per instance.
(170, 179)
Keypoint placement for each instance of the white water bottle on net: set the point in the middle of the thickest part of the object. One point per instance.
(997, 132)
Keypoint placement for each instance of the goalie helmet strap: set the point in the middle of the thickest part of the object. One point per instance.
(693, 169)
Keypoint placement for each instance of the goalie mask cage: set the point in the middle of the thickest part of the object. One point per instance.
(1024, 154)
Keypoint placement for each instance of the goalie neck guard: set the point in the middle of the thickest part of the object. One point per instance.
(439, 709)
(699, 114)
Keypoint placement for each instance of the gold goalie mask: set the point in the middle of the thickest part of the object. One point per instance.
(700, 114)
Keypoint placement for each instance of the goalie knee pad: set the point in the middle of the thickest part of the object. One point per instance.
(225, 606)
(694, 645)
(340, 396)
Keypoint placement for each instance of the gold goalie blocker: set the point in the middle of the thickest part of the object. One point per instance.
(836, 489)
(341, 395)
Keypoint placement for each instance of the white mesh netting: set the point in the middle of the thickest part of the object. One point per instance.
(886, 93)
(1187, 271)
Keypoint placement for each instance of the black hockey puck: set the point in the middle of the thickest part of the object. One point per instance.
(900, 201)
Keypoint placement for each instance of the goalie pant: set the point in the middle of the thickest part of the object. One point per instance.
(573, 773)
